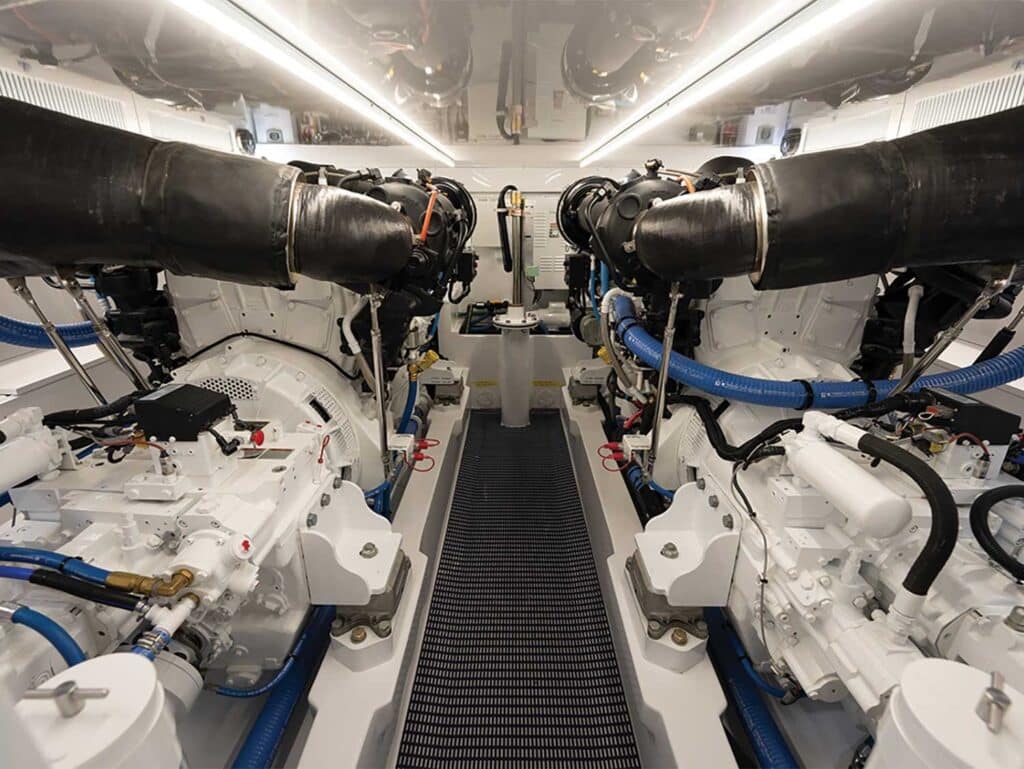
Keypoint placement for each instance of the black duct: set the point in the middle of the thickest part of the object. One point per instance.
(951, 195)
(77, 193)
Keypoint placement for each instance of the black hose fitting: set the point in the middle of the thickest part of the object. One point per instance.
(95, 593)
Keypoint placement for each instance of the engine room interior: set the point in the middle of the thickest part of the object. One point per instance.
(511, 383)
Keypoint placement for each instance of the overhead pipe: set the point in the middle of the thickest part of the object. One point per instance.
(79, 193)
(950, 195)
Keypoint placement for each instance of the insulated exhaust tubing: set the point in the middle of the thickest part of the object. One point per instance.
(949, 195)
(78, 193)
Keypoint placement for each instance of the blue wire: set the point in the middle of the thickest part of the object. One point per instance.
(605, 279)
(669, 495)
(16, 572)
(52, 632)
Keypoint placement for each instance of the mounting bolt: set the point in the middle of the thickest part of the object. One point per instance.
(679, 636)
(727, 521)
(325, 500)
(358, 634)
(993, 704)
(337, 627)
(337, 482)
(654, 628)
(383, 628)
(669, 550)
(713, 501)
(1015, 619)
(311, 520)
(369, 550)
(701, 484)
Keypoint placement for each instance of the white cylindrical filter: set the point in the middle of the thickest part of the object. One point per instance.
(932, 722)
(867, 503)
(516, 376)
(129, 727)
(24, 458)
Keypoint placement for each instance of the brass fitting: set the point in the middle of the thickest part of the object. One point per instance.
(129, 582)
(429, 359)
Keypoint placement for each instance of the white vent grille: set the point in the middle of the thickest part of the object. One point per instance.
(972, 101)
(235, 388)
(76, 102)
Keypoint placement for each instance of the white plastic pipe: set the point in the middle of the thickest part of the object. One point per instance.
(867, 503)
(910, 323)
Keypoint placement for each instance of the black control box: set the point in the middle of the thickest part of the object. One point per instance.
(970, 416)
(181, 411)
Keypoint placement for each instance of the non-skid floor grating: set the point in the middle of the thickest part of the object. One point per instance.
(517, 667)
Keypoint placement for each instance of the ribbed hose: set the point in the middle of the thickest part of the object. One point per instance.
(979, 526)
(52, 632)
(22, 334)
(794, 395)
(769, 745)
(264, 739)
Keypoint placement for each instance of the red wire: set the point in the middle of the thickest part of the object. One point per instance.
(420, 457)
(323, 448)
(427, 443)
(973, 439)
(633, 419)
(426, 216)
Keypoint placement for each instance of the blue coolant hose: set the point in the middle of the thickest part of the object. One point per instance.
(65, 564)
(799, 395)
(410, 404)
(52, 632)
(22, 334)
(264, 739)
(770, 746)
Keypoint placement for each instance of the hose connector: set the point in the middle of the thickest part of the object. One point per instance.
(129, 582)
(429, 359)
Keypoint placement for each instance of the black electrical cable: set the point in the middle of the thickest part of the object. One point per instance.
(717, 438)
(90, 415)
(506, 251)
(96, 593)
(979, 525)
(337, 367)
(945, 519)
(501, 107)
(227, 447)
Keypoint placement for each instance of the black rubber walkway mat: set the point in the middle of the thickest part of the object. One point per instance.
(517, 667)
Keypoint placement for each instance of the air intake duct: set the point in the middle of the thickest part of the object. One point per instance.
(950, 195)
(78, 193)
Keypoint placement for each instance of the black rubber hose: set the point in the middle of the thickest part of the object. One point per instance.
(95, 593)
(78, 416)
(506, 251)
(717, 438)
(979, 525)
(996, 345)
(945, 519)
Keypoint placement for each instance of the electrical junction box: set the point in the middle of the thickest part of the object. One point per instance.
(180, 411)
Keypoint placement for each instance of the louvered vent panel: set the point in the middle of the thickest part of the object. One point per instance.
(76, 102)
(972, 101)
(234, 387)
(339, 416)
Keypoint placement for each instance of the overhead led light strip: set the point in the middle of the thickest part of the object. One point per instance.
(761, 43)
(284, 46)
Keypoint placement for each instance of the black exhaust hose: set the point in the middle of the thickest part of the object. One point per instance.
(945, 519)
(78, 193)
(949, 195)
(979, 526)
(96, 593)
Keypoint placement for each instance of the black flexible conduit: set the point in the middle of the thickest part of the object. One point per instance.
(506, 250)
(76, 587)
(979, 525)
(945, 520)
